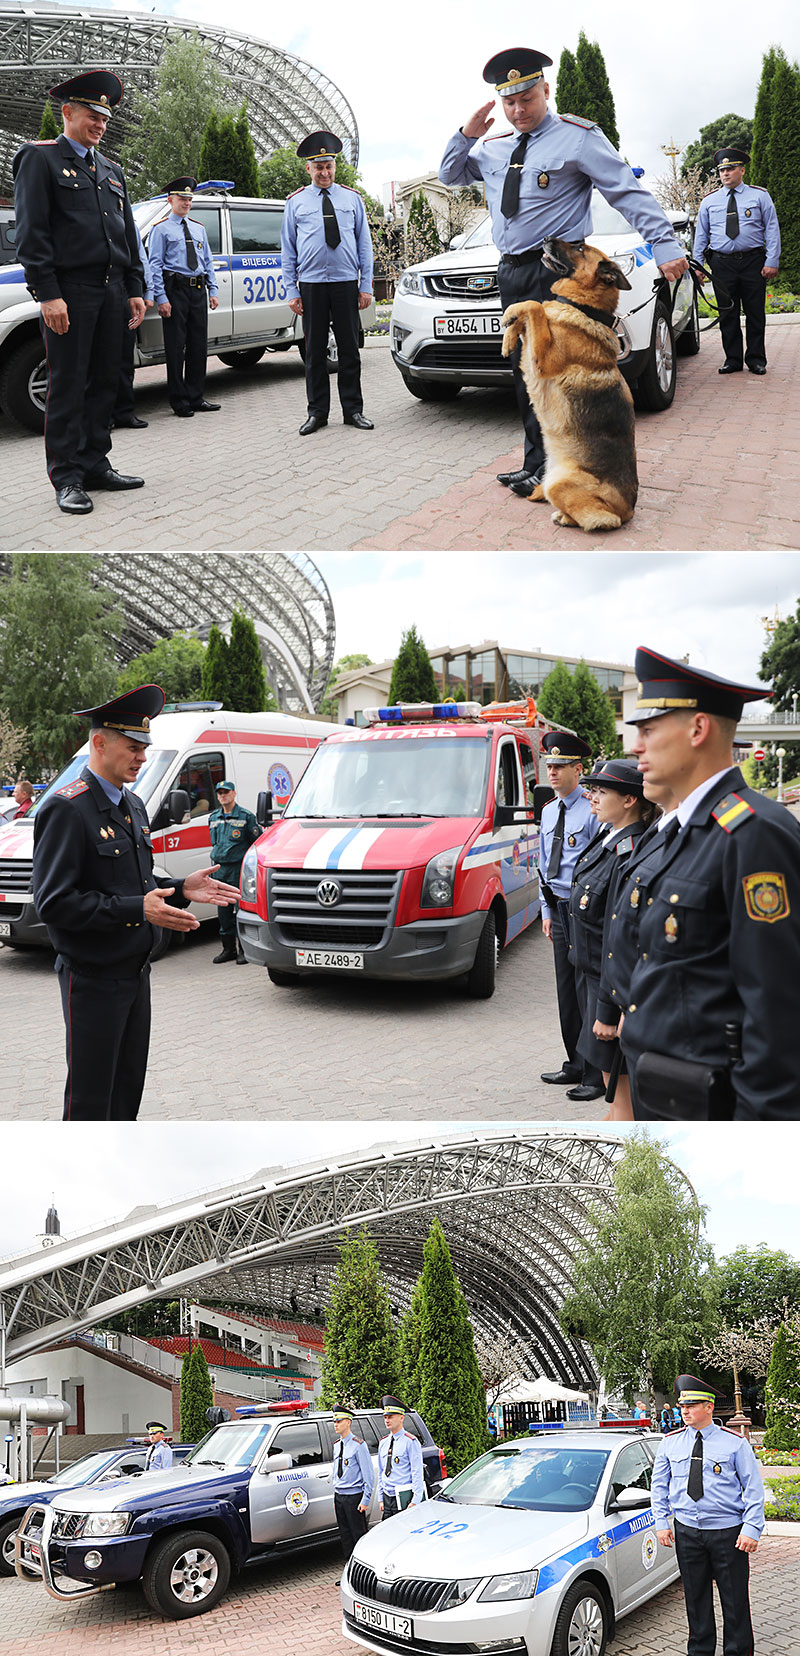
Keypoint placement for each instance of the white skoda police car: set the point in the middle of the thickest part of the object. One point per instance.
(538, 1548)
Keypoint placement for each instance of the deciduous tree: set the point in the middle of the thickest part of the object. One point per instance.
(175, 663)
(166, 135)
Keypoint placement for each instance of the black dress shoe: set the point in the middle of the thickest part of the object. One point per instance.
(584, 1094)
(183, 413)
(507, 478)
(730, 368)
(206, 407)
(360, 422)
(315, 422)
(227, 954)
(757, 367)
(113, 480)
(526, 484)
(565, 1077)
(72, 498)
(133, 424)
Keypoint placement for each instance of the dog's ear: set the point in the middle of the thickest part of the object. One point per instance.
(611, 275)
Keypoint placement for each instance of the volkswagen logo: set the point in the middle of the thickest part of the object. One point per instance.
(479, 284)
(328, 893)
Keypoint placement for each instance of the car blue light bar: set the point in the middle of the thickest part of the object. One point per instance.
(419, 712)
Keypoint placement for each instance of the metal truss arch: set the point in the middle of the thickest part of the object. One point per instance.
(42, 44)
(514, 1207)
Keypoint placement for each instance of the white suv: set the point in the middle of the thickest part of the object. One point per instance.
(446, 328)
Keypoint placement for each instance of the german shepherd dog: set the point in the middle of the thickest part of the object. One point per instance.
(569, 364)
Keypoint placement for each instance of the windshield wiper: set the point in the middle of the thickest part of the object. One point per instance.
(205, 1462)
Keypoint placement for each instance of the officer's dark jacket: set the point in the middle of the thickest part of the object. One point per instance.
(620, 946)
(719, 943)
(591, 882)
(91, 870)
(231, 835)
(71, 221)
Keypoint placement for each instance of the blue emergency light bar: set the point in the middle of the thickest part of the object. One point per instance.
(419, 712)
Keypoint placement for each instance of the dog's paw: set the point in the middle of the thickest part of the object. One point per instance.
(537, 493)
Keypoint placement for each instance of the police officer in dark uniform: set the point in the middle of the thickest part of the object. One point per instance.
(538, 182)
(708, 1479)
(711, 1027)
(184, 285)
(94, 887)
(232, 830)
(76, 240)
(737, 228)
(568, 826)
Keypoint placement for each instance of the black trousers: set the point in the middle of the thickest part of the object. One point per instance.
(518, 282)
(107, 1022)
(705, 1557)
(352, 1523)
(739, 279)
(185, 340)
(83, 373)
(570, 1011)
(125, 404)
(331, 305)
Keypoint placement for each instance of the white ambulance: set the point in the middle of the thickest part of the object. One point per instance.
(194, 748)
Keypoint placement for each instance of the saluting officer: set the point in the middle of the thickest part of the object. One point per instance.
(538, 181)
(326, 257)
(94, 887)
(76, 240)
(737, 226)
(709, 1479)
(400, 1469)
(232, 830)
(568, 826)
(159, 1455)
(353, 1480)
(185, 287)
(715, 983)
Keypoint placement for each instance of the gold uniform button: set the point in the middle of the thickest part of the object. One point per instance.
(613, 917)
(649, 902)
(674, 898)
(644, 957)
(631, 1008)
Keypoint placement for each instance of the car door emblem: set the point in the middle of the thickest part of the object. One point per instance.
(328, 893)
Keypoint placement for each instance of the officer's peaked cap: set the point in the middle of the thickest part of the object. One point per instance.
(515, 70)
(392, 1405)
(622, 775)
(131, 714)
(99, 89)
(320, 146)
(563, 747)
(156, 1426)
(342, 1411)
(731, 157)
(692, 1390)
(666, 686)
(184, 186)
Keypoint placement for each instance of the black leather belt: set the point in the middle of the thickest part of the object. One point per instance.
(748, 253)
(188, 281)
(515, 259)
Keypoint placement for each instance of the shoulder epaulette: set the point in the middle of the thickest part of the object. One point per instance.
(732, 1433)
(764, 191)
(494, 135)
(42, 143)
(350, 187)
(297, 192)
(731, 812)
(578, 120)
(72, 789)
(623, 845)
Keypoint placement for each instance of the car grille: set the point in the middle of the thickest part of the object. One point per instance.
(458, 286)
(360, 919)
(388, 1641)
(11, 911)
(16, 873)
(68, 1525)
(466, 356)
(403, 1594)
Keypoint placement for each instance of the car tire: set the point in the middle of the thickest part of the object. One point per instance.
(193, 1563)
(655, 388)
(283, 980)
(23, 384)
(242, 360)
(688, 342)
(432, 391)
(481, 977)
(582, 1622)
(8, 1532)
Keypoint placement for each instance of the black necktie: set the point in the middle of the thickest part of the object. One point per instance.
(89, 159)
(332, 235)
(732, 217)
(191, 250)
(557, 846)
(670, 833)
(388, 1466)
(509, 203)
(694, 1487)
(341, 1452)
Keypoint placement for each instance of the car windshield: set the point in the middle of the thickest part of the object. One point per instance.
(82, 1471)
(398, 775)
(606, 221)
(231, 1446)
(157, 762)
(536, 1478)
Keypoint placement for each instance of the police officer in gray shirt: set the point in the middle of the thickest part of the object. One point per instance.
(353, 1480)
(737, 229)
(538, 181)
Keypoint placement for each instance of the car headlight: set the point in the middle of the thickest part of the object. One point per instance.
(437, 886)
(626, 262)
(459, 1591)
(107, 1523)
(249, 875)
(520, 1585)
(410, 282)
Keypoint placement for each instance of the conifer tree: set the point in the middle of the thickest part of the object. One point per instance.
(784, 167)
(247, 175)
(409, 1350)
(216, 683)
(568, 84)
(558, 699)
(247, 682)
(412, 674)
(50, 127)
(450, 1395)
(595, 90)
(422, 234)
(196, 1395)
(361, 1360)
(783, 1392)
(758, 171)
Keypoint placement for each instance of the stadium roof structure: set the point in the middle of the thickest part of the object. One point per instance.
(515, 1206)
(43, 44)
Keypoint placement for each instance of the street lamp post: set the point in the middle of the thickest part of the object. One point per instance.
(780, 755)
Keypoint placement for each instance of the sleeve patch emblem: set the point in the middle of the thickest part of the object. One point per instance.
(766, 897)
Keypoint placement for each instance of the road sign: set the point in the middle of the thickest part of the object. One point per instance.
(759, 754)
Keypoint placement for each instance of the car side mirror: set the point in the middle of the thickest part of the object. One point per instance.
(629, 1499)
(264, 812)
(279, 1461)
(178, 805)
(542, 795)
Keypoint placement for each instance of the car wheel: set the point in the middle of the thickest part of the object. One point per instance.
(432, 390)
(582, 1624)
(688, 342)
(186, 1574)
(655, 387)
(242, 359)
(283, 980)
(8, 1534)
(23, 384)
(483, 972)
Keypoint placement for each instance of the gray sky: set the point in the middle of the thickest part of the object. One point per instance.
(95, 1174)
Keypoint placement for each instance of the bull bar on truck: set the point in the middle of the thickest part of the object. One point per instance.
(28, 1570)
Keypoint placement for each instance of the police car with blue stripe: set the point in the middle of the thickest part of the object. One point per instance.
(538, 1548)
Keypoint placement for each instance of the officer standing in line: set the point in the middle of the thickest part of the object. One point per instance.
(125, 414)
(232, 830)
(76, 240)
(715, 983)
(538, 181)
(567, 828)
(159, 1455)
(94, 887)
(326, 257)
(708, 1477)
(182, 270)
(737, 226)
(400, 1470)
(353, 1480)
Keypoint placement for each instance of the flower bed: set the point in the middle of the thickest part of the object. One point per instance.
(778, 1457)
(783, 1499)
